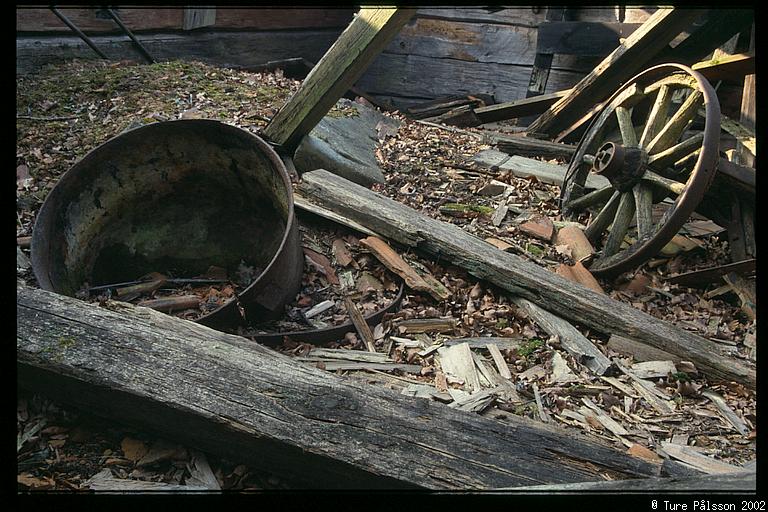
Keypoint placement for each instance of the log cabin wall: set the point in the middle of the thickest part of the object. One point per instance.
(441, 52)
(227, 36)
(445, 52)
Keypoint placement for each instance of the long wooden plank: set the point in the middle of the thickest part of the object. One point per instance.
(623, 63)
(236, 49)
(519, 108)
(338, 70)
(528, 146)
(226, 395)
(515, 274)
(525, 167)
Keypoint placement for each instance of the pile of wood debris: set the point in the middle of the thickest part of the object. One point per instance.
(455, 339)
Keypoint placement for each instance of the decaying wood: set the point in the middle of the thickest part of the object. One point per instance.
(305, 206)
(360, 324)
(390, 259)
(525, 167)
(707, 276)
(512, 273)
(729, 67)
(745, 482)
(745, 289)
(528, 146)
(226, 395)
(340, 67)
(417, 325)
(498, 359)
(457, 361)
(727, 412)
(693, 458)
(518, 108)
(571, 339)
(623, 63)
(654, 369)
(346, 355)
(482, 342)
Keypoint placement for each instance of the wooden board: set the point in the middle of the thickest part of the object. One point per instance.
(35, 20)
(518, 108)
(420, 76)
(341, 66)
(623, 63)
(226, 395)
(523, 167)
(581, 37)
(239, 49)
(569, 300)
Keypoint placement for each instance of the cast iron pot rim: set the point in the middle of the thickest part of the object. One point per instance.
(40, 231)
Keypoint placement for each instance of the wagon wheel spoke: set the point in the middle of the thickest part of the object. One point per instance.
(621, 221)
(600, 195)
(643, 194)
(667, 184)
(603, 219)
(676, 153)
(624, 118)
(657, 115)
(671, 131)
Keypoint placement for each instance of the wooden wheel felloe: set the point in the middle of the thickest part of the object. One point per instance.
(656, 139)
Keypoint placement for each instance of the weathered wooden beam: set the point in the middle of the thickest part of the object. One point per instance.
(518, 108)
(524, 167)
(729, 67)
(514, 274)
(335, 73)
(226, 395)
(743, 482)
(623, 63)
(529, 146)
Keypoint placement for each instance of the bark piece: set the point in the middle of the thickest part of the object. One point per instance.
(390, 259)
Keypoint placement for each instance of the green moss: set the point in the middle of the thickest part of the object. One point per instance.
(502, 324)
(66, 341)
(528, 347)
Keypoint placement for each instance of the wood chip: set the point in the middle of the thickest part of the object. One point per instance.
(499, 244)
(319, 308)
(342, 254)
(654, 369)
(419, 325)
(727, 412)
(543, 416)
(457, 361)
(498, 359)
(638, 450)
(701, 462)
(539, 226)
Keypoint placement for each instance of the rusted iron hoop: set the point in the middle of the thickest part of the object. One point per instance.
(316, 336)
(699, 179)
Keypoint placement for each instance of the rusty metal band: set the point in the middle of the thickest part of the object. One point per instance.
(327, 334)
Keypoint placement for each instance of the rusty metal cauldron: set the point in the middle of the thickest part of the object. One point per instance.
(178, 197)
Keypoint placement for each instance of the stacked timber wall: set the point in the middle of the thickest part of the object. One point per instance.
(441, 52)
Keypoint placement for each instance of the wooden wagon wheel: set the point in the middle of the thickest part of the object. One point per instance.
(653, 142)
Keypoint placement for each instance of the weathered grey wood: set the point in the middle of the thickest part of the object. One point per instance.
(481, 342)
(226, 395)
(335, 73)
(628, 134)
(524, 167)
(518, 108)
(571, 339)
(621, 222)
(426, 77)
(670, 133)
(528, 146)
(514, 274)
(727, 412)
(643, 194)
(699, 461)
(197, 18)
(639, 351)
(234, 49)
(601, 221)
(582, 37)
(737, 482)
(623, 63)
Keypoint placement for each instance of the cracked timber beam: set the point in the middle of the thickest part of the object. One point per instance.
(226, 395)
(548, 290)
(338, 70)
(622, 64)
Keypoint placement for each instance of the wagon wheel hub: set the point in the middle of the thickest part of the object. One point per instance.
(623, 166)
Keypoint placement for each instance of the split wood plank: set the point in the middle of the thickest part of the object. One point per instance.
(623, 63)
(394, 262)
(526, 167)
(346, 355)
(360, 324)
(516, 275)
(745, 481)
(571, 339)
(699, 461)
(457, 361)
(501, 364)
(727, 412)
(341, 66)
(418, 325)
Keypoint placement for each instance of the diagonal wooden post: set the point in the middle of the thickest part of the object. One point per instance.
(622, 64)
(337, 71)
